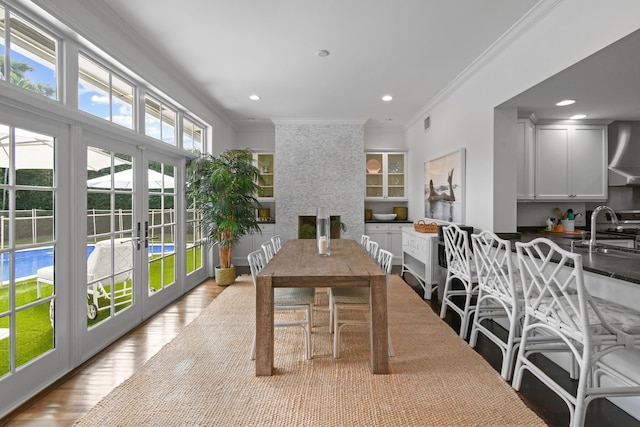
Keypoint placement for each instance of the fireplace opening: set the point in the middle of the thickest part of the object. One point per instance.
(307, 226)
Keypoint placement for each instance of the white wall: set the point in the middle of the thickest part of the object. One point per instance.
(463, 116)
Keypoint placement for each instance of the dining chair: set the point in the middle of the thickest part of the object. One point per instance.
(286, 300)
(276, 241)
(356, 299)
(591, 330)
(460, 267)
(500, 297)
(364, 241)
(372, 249)
(267, 247)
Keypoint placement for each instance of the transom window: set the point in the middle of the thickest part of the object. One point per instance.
(192, 136)
(104, 94)
(159, 120)
(28, 56)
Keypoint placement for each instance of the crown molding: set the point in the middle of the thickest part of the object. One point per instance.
(524, 24)
(318, 121)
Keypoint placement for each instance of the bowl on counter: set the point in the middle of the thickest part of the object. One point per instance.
(384, 217)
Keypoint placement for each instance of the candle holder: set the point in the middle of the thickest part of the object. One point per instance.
(323, 231)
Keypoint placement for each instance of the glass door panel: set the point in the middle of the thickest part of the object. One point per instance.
(27, 246)
(161, 226)
(111, 235)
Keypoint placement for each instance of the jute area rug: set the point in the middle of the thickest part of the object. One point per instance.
(204, 377)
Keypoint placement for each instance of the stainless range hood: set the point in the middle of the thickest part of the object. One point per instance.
(624, 153)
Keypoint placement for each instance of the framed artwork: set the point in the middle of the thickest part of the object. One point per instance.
(444, 180)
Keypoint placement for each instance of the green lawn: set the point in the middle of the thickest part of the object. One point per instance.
(33, 327)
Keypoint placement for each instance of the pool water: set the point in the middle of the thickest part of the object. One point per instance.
(28, 261)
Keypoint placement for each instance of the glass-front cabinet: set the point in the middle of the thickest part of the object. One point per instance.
(264, 162)
(385, 176)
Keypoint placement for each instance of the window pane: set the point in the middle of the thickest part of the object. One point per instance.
(93, 88)
(187, 134)
(168, 125)
(198, 135)
(122, 108)
(33, 58)
(151, 118)
(2, 73)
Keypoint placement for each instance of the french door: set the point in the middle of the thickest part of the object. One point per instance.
(134, 252)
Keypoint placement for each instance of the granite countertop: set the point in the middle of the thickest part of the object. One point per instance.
(617, 263)
(395, 221)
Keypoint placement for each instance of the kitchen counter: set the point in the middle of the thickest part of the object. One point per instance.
(395, 221)
(617, 263)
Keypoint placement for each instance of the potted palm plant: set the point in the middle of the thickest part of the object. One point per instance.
(223, 192)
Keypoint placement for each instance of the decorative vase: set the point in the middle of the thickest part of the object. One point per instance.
(323, 231)
(225, 276)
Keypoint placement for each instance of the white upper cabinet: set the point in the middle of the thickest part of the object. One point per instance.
(385, 176)
(525, 159)
(571, 162)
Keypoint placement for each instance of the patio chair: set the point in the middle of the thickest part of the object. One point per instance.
(286, 299)
(99, 272)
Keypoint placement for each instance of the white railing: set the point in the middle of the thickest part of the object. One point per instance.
(34, 224)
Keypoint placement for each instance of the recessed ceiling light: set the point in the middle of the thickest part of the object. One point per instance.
(323, 53)
(565, 102)
(254, 97)
(387, 98)
(578, 116)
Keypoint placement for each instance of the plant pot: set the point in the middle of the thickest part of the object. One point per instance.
(225, 276)
(568, 225)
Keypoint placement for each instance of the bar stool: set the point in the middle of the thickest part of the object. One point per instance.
(459, 266)
(498, 296)
(591, 330)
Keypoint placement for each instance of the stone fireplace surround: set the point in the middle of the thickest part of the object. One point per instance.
(319, 163)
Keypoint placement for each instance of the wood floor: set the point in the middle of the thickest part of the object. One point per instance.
(69, 399)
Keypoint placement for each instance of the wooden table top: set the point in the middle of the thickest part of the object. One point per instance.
(298, 261)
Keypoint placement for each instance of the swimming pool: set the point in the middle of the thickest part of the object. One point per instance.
(28, 261)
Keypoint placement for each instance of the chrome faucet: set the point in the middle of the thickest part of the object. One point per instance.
(594, 215)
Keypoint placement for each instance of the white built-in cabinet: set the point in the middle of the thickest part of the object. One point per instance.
(388, 236)
(251, 242)
(420, 258)
(266, 187)
(571, 162)
(525, 160)
(385, 176)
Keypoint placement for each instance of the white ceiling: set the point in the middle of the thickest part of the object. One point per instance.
(605, 85)
(410, 49)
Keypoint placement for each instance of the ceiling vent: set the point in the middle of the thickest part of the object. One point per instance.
(427, 123)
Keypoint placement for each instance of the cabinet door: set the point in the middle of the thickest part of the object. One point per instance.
(386, 176)
(589, 163)
(395, 175)
(378, 233)
(395, 242)
(375, 176)
(266, 188)
(525, 161)
(552, 160)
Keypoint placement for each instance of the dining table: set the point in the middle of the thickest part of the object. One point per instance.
(298, 264)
